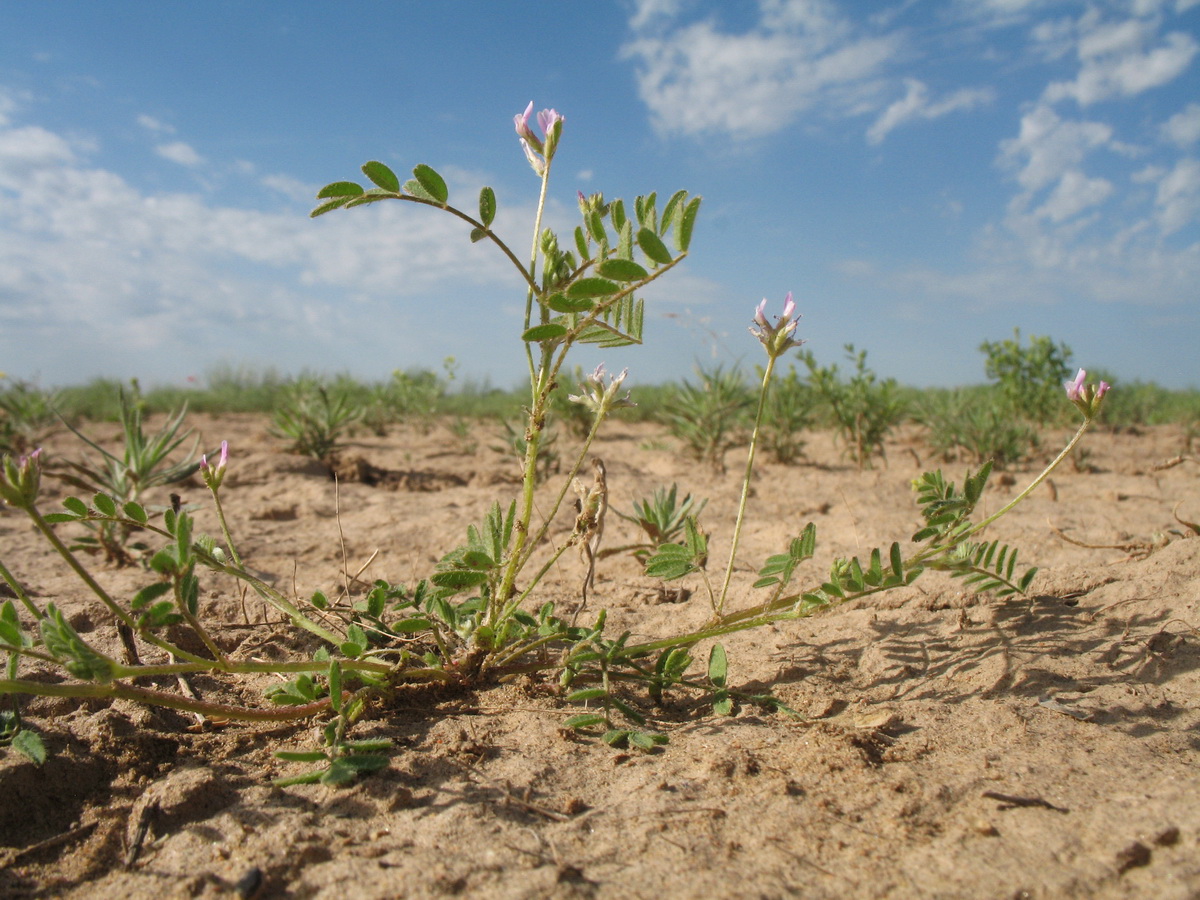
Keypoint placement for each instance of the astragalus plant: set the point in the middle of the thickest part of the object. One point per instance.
(481, 615)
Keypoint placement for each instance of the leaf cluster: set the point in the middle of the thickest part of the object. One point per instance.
(710, 417)
(315, 417)
(865, 408)
(1030, 376)
(662, 516)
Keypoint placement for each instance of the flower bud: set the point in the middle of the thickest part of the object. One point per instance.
(20, 479)
(1086, 397)
(213, 475)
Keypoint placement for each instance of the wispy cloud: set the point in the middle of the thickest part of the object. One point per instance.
(699, 78)
(179, 152)
(1183, 128)
(1122, 59)
(153, 125)
(88, 261)
(916, 104)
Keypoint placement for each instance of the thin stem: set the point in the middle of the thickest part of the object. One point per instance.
(19, 591)
(539, 391)
(123, 617)
(587, 444)
(44, 527)
(741, 515)
(471, 220)
(225, 527)
(531, 275)
(1087, 423)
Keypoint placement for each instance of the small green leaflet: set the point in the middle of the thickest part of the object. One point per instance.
(381, 176)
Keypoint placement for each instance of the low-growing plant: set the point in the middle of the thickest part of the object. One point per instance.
(791, 408)
(864, 408)
(979, 423)
(661, 517)
(315, 417)
(412, 396)
(144, 463)
(478, 617)
(28, 414)
(709, 417)
(1029, 377)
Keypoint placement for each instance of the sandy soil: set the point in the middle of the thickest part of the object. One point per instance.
(955, 745)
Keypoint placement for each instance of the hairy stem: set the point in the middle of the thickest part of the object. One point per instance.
(741, 513)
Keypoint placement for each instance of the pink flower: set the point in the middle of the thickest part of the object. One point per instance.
(214, 475)
(539, 151)
(1086, 397)
(777, 338)
(521, 120)
(1075, 388)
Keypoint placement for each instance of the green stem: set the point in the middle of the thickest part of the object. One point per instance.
(225, 527)
(531, 274)
(19, 591)
(539, 392)
(86, 577)
(1087, 423)
(741, 514)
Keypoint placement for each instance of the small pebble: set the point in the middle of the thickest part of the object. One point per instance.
(250, 884)
(1136, 854)
(1168, 837)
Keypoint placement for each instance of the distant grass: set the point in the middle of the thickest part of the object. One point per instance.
(245, 390)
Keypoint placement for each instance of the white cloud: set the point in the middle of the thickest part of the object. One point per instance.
(1074, 193)
(698, 79)
(26, 151)
(1178, 199)
(1115, 61)
(179, 152)
(1049, 146)
(292, 188)
(1183, 128)
(916, 105)
(154, 125)
(90, 264)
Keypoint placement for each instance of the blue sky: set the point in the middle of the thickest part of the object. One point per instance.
(924, 176)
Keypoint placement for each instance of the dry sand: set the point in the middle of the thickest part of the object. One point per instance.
(954, 746)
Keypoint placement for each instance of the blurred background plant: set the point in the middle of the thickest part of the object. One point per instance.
(977, 423)
(864, 409)
(791, 409)
(1030, 377)
(710, 417)
(28, 415)
(315, 417)
(412, 396)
